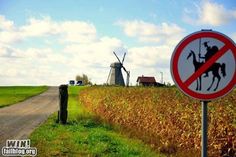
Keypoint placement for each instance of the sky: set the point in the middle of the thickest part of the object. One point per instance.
(49, 42)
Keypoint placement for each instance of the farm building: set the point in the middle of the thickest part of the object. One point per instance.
(147, 81)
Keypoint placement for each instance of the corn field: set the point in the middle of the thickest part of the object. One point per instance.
(164, 118)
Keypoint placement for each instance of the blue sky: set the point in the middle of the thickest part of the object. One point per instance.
(50, 42)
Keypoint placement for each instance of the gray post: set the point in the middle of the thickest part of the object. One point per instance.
(204, 128)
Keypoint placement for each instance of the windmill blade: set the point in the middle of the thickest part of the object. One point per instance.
(128, 75)
(124, 69)
(117, 57)
(123, 58)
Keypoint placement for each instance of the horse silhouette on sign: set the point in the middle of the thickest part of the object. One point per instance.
(197, 65)
(214, 68)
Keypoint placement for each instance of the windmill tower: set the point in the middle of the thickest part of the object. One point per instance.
(115, 76)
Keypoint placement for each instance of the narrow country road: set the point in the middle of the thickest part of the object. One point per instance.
(19, 120)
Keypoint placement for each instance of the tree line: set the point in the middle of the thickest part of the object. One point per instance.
(84, 78)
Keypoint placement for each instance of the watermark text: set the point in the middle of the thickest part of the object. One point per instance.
(18, 148)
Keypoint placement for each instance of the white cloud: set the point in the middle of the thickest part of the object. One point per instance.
(147, 39)
(82, 51)
(93, 58)
(32, 66)
(9, 37)
(149, 55)
(7, 51)
(209, 13)
(149, 61)
(39, 27)
(78, 31)
(149, 32)
(138, 28)
(6, 24)
(7, 31)
(68, 31)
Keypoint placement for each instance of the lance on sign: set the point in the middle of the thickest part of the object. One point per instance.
(203, 65)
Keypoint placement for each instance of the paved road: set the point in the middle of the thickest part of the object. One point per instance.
(19, 120)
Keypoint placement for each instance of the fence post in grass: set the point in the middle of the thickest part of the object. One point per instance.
(63, 100)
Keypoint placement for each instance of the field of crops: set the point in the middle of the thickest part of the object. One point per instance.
(166, 119)
(85, 135)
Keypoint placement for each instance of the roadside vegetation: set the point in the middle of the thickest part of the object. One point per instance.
(167, 120)
(84, 135)
(12, 94)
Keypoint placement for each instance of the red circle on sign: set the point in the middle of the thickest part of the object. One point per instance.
(179, 49)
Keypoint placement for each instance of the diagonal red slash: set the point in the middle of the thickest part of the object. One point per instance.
(206, 65)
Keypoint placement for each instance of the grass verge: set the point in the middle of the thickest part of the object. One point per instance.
(84, 135)
(12, 94)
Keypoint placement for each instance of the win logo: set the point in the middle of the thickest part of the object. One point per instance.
(18, 148)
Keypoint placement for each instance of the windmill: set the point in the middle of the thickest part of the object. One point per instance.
(115, 76)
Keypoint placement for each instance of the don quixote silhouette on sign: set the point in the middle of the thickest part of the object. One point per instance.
(214, 68)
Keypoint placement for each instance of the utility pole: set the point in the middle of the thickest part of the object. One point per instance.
(161, 77)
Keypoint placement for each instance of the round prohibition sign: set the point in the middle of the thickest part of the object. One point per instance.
(185, 83)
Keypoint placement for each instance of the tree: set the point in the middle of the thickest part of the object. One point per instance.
(84, 78)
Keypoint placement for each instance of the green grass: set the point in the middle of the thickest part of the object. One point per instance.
(84, 135)
(12, 94)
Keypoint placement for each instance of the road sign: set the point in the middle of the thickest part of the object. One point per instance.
(203, 65)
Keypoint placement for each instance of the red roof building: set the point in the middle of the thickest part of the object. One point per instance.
(146, 81)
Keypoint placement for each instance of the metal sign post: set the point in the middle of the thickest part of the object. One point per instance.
(204, 128)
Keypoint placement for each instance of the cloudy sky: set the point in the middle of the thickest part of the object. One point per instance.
(51, 41)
